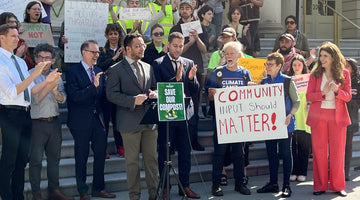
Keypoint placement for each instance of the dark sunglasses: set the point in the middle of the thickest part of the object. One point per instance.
(290, 22)
(156, 34)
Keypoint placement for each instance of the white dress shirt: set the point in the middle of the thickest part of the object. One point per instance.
(9, 78)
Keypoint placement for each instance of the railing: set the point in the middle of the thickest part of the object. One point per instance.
(336, 21)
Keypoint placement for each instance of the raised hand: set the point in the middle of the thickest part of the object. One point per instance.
(179, 72)
(192, 72)
(97, 79)
(39, 68)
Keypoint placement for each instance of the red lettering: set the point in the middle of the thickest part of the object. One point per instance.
(232, 125)
(221, 125)
(249, 118)
(220, 97)
(264, 120)
(230, 94)
(242, 123)
(256, 122)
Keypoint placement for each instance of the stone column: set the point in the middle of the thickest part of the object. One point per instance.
(270, 19)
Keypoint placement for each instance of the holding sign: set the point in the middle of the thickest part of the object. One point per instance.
(37, 33)
(250, 113)
(134, 13)
(171, 105)
(189, 26)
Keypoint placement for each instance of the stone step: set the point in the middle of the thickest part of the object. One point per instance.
(67, 164)
(116, 182)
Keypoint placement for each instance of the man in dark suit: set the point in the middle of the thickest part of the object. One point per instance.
(194, 45)
(173, 68)
(84, 87)
(129, 84)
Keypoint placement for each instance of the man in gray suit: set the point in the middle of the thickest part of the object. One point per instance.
(129, 84)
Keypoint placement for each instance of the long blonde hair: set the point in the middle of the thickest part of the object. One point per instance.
(337, 66)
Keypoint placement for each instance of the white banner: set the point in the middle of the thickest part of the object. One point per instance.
(189, 26)
(84, 21)
(135, 13)
(250, 113)
(17, 7)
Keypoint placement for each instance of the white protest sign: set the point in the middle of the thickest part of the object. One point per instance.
(18, 8)
(250, 113)
(134, 13)
(187, 27)
(301, 82)
(84, 21)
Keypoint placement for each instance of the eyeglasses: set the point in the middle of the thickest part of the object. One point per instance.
(36, 9)
(290, 22)
(156, 34)
(140, 46)
(46, 58)
(269, 64)
(93, 52)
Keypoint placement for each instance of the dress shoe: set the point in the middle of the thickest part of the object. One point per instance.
(293, 178)
(58, 195)
(301, 178)
(197, 146)
(286, 192)
(84, 196)
(318, 192)
(269, 188)
(189, 193)
(103, 194)
(342, 193)
(121, 151)
(217, 191)
(37, 196)
(242, 189)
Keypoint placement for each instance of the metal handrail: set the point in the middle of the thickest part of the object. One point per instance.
(336, 21)
(340, 14)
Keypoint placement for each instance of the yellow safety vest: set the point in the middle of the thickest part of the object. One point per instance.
(110, 18)
(167, 21)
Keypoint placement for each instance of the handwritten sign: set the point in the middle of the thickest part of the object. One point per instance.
(18, 8)
(250, 113)
(37, 33)
(134, 13)
(189, 26)
(171, 105)
(301, 82)
(255, 66)
(83, 21)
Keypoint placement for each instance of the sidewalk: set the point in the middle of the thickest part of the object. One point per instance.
(301, 191)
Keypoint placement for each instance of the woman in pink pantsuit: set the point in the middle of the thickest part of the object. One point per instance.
(328, 91)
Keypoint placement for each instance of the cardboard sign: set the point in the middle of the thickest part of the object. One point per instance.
(171, 105)
(37, 33)
(255, 66)
(134, 13)
(301, 82)
(189, 26)
(84, 21)
(250, 113)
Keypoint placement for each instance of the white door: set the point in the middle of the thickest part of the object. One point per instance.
(320, 19)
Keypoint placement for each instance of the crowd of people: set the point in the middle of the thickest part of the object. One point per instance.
(116, 82)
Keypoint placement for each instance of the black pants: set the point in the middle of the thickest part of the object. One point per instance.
(301, 144)
(16, 133)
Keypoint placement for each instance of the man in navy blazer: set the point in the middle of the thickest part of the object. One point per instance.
(84, 87)
(173, 68)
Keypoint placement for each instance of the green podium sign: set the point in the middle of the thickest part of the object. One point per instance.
(171, 105)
